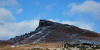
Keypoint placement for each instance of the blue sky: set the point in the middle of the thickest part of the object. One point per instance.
(20, 16)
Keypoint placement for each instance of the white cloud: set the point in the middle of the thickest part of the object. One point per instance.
(12, 5)
(5, 15)
(83, 25)
(12, 29)
(80, 24)
(19, 10)
(8, 3)
(8, 27)
(88, 6)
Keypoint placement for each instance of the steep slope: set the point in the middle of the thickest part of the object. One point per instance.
(49, 31)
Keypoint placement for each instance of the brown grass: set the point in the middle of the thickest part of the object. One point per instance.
(31, 46)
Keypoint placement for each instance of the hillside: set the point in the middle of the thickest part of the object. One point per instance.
(49, 31)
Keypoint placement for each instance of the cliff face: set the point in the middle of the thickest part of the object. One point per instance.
(49, 31)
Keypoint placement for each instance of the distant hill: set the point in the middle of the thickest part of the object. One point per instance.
(49, 31)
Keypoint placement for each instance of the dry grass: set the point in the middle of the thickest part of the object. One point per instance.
(38, 46)
(16, 48)
(30, 46)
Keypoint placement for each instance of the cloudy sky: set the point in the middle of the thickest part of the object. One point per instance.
(21, 16)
